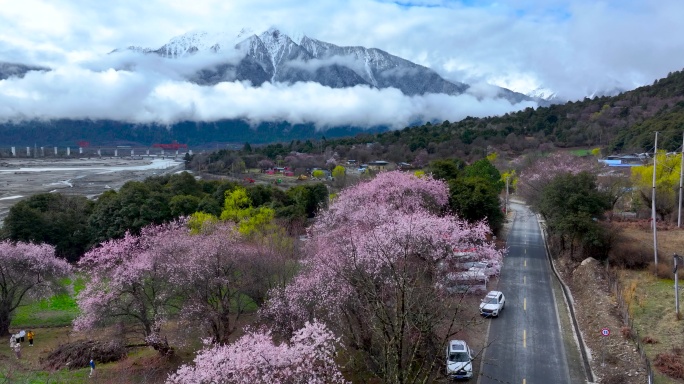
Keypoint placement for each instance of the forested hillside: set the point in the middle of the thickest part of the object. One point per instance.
(66, 132)
(622, 123)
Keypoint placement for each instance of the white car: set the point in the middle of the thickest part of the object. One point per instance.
(493, 304)
(491, 269)
(459, 360)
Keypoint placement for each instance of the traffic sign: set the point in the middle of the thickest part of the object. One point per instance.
(605, 331)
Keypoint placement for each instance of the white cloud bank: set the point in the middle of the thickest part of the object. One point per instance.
(145, 95)
(574, 48)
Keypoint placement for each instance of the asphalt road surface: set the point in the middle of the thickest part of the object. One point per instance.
(525, 344)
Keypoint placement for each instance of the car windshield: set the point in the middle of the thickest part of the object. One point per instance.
(490, 300)
(458, 357)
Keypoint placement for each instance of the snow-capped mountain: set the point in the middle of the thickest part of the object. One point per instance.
(8, 70)
(543, 94)
(275, 57)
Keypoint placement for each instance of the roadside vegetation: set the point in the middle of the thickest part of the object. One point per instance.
(341, 272)
(651, 299)
(193, 283)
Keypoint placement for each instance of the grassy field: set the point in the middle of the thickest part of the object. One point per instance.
(58, 311)
(652, 299)
(581, 152)
(51, 319)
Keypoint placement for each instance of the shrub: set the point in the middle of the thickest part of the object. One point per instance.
(649, 340)
(664, 267)
(77, 354)
(670, 364)
(616, 378)
(611, 359)
(629, 254)
(626, 332)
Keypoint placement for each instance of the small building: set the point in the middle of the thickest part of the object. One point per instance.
(624, 160)
(351, 162)
(378, 165)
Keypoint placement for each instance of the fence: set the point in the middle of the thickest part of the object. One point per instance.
(627, 320)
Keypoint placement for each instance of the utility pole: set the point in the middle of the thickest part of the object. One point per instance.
(507, 177)
(681, 175)
(653, 204)
(677, 259)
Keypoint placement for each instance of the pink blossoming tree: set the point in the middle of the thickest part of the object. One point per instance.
(539, 172)
(207, 279)
(130, 280)
(376, 272)
(27, 271)
(224, 275)
(308, 357)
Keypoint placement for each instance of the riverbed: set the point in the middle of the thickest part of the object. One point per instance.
(90, 177)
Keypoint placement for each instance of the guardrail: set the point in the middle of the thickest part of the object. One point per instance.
(633, 334)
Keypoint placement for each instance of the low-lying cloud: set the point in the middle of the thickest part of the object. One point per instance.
(145, 91)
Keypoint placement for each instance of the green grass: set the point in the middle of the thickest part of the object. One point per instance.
(58, 310)
(52, 318)
(652, 307)
(581, 152)
(41, 377)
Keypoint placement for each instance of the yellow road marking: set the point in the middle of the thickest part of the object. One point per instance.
(524, 278)
(524, 338)
(524, 382)
(525, 250)
(526, 262)
(525, 304)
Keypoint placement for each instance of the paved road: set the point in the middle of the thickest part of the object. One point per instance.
(525, 342)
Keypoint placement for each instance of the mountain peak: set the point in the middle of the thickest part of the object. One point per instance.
(276, 57)
(200, 41)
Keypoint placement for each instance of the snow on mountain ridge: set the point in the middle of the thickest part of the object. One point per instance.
(542, 93)
(277, 45)
(274, 56)
(198, 41)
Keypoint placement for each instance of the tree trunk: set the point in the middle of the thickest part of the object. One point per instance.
(158, 342)
(4, 322)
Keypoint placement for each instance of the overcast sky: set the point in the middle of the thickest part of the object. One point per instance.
(574, 48)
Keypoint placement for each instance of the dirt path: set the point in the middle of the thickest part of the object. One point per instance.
(613, 358)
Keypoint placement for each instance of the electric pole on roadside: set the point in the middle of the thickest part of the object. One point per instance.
(653, 205)
(507, 177)
(677, 259)
(681, 176)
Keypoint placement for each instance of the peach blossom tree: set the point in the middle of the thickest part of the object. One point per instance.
(27, 271)
(207, 278)
(308, 357)
(376, 272)
(130, 281)
(541, 171)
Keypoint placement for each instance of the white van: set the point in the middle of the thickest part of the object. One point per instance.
(459, 364)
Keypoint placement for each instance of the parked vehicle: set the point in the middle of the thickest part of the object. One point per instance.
(471, 281)
(489, 268)
(459, 364)
(493, 304)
